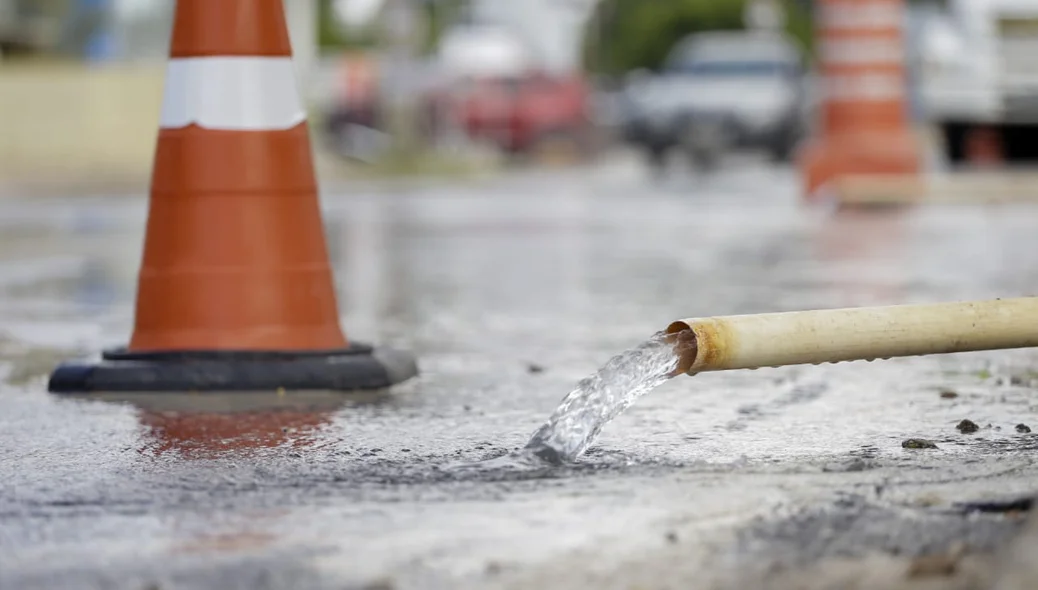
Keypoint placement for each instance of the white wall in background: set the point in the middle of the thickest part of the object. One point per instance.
(553, 28)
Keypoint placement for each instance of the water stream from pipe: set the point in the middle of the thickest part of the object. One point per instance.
(601, 397)
(598, 399)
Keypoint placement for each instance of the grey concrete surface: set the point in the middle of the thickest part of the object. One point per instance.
(510, 290)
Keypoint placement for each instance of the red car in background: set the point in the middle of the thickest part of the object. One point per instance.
(522, 115)
(516, 108)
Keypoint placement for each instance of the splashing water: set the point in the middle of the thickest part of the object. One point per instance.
(594, 402)
(598, 399)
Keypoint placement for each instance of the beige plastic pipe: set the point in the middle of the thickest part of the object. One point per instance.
(863, 333)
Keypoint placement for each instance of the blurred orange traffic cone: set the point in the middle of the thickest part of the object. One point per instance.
(865, 128)
(235, 289)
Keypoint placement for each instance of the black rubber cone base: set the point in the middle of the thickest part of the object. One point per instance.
(358, 367)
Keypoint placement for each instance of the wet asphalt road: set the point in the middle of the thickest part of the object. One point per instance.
(510, 290)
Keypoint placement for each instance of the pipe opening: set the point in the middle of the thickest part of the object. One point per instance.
(685, 346)
(678, 326)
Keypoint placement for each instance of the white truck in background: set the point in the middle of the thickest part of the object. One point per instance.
(977, 68)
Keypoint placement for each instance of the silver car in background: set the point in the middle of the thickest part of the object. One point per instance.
(718, 92)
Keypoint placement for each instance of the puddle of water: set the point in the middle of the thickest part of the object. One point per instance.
(593, 403)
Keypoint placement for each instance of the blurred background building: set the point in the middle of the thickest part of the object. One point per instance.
(526, 81)
(106, 31)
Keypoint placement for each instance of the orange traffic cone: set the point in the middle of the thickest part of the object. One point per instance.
(865, 128)
(235, 289)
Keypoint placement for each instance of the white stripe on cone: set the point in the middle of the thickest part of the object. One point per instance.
(863, 87)
(232, 94)
(856, 51)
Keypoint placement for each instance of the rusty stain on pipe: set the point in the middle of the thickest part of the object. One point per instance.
(714, 340)
(686, 347)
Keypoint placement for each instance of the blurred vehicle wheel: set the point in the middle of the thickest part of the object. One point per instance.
(781, 149)
(656, 158)
(704, 144)
(358, 142)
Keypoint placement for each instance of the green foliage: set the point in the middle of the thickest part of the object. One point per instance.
(434, 16)
(624, 35)
(42, 8)
(440, 15)
(800, 25)
(331, 36)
